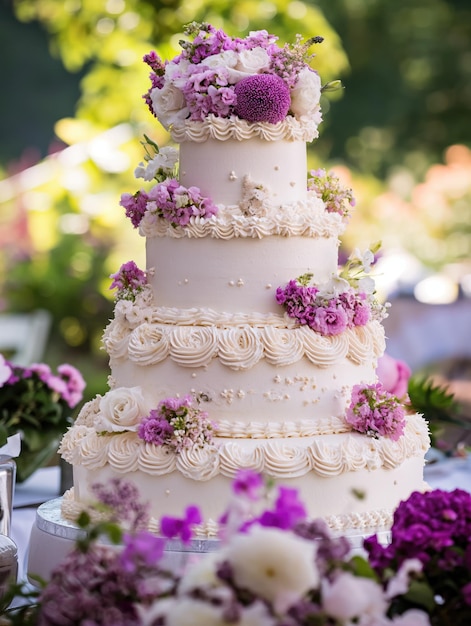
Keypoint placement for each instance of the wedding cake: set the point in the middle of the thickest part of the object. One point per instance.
(243, 344)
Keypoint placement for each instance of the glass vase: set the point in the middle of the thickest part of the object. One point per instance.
(31, 460)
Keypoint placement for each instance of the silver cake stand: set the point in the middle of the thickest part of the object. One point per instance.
(53, 537)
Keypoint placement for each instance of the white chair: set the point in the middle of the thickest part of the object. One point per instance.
(23, 336)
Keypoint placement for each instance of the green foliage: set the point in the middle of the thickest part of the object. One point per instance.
(409, 93)
(67, 281)
(436, 403)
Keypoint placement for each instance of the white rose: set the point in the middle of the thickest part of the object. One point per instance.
(225, 59)
(192, 612)
(274, 564)
(121, 409)
(169, 104)
(177, 73)
(249, 62)
(306, 94)
(349, 596)
(202, 573)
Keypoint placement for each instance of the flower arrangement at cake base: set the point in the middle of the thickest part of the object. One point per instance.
(274, 566)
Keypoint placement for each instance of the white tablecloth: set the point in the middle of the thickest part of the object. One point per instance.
(446, 474)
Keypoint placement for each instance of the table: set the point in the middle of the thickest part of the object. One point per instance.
(44, 485)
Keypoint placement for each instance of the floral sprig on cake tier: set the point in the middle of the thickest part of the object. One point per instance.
(327, 187)
(168, 200)
(375, 412)
(252, 79)
(129, 281)
(346, 301)
(178, 424)
(159, 163)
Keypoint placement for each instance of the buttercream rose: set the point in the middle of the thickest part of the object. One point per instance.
(306, 94)
(169, 104)
(394, 375)
(121, 409)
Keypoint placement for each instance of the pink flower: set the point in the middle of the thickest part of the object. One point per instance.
(375, 412)
(5, 370)
(262, 98)
(394, 375)
(129, 280)
(331, 320)
(142, 548)
(177, 424)
(135, 206)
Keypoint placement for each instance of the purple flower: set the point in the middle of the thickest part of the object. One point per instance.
(177, 424)
(171, 527)
(90, 588)
(361, 313)
(128, 276)
(262, 98)
(155, 429)
(178, 204)
(122, 499)
(329, 320)
(327, 316)
(143, 548)
(74, 382)
(375, 412)
(287, 512)
(248, 483)
(466, 593)
(135, 206)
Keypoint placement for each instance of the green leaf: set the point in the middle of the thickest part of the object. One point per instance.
(361, 567)
(435, 402)
(421, 594)
(3, 434)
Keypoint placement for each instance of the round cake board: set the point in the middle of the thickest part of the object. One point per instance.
(53, 537)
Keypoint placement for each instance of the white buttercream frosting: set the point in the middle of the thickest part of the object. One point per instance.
(304, 218)
(223, 129)
(242, 347)
(276, 457)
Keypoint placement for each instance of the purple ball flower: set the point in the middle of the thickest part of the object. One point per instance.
(262, 98)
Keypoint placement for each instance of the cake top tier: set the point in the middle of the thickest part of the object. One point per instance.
(251, 79)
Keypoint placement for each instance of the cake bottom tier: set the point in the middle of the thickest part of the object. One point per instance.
(350, 480)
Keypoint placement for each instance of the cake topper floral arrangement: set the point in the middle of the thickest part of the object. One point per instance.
(253, 79)
(273, 566)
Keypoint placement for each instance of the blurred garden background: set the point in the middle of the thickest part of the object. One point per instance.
(72, 118)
